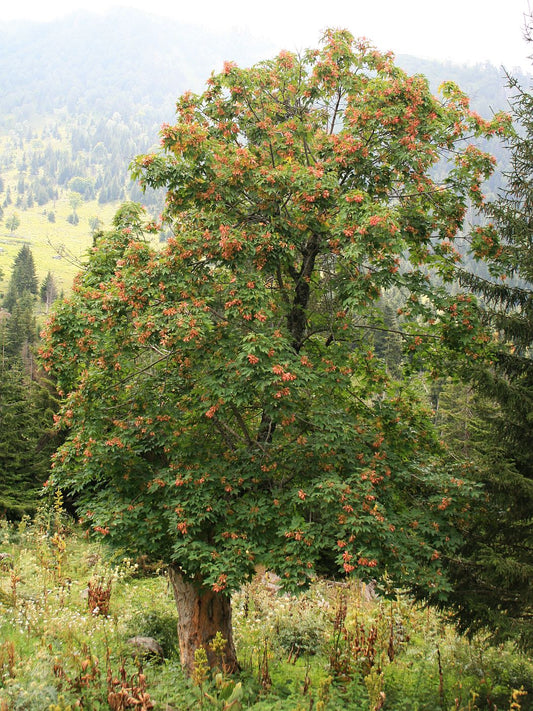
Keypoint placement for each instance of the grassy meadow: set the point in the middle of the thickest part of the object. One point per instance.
(57, 247)
(68, 608)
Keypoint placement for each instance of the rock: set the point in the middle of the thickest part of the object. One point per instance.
(146, 646)
(6, 561)
(272, 582)
(92, 560)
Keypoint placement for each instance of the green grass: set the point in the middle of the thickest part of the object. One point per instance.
(336, 647)
(58, 247)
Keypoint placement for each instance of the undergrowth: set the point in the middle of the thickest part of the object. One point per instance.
(68, 608)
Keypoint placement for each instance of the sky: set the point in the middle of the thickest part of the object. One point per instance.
(462, 31)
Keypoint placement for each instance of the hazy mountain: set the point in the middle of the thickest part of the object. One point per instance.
(126, 61)
(131, 62)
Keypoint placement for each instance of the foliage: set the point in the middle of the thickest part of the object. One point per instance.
(18, 332)
(161, 626)
(224, 693)
(13, 222)
(48, 291)
(78, 152)
(27, 402)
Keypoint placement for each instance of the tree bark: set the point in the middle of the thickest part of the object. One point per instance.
(201, 614)
(297, 316)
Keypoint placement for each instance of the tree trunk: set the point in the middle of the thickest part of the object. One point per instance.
(201, 614)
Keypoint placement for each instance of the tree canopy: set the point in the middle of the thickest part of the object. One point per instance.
(223, 402)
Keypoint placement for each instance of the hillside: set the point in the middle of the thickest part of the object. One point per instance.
(126, 61)
(137, 64)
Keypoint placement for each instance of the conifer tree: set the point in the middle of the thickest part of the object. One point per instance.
(26, 418)
(48, 291)
(23, 278)
(21, 328)
(388, 342)
(493, 571)
(26, 414)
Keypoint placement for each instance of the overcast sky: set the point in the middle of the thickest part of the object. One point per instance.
(469, 31)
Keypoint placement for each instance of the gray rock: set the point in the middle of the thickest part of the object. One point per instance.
(146, 646)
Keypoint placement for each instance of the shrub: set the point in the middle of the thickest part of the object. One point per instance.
(161, 626)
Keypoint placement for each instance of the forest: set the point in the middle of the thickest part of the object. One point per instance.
(266, 381)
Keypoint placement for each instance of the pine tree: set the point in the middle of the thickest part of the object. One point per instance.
(48, 291)
(26, 413)
(21, 328)
(23, 278)
(493, 571)
(388, 342)
(26, 419)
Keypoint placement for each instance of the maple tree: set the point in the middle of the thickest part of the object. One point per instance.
(223, 405)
